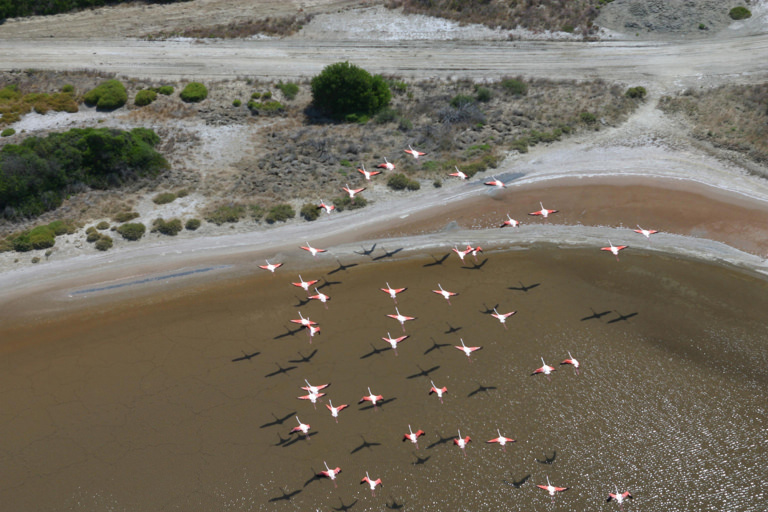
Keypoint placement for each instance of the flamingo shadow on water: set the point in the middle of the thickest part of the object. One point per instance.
(343, 507)
(245, 356)
(278, 421)
(420, 460)
(442, 440)
(366, 252)
(280, 370)
(327, 283)
(288, 332)
(387, 254)
(451, 329)
(621, 318)
(374, 351)
(481, 389)
(518, 483)
(423, 372)
(595, 315)
(438, 261)
(547, 459)
(286, 496)
(476, 266)
(394, 505)
(281, 441)
(315, 476)
(365, 444)
(436, 346)
(342, 267)
(303, 358)
(523, 288)
(302, 302)
(298, 439)
(489, 311)
(380, 403)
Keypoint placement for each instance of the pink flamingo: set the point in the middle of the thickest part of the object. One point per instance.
(501, 440)
(387, 165)
(305, 322)
(462, 442)
(445, 293)
(645, 232)
(352, 191)
(335, 410)
(368, 174)
(619, 497)
(614, 249)
(327, 207)
(393, 291)
(502, 317)
(303, 428)
(321, 297)
(496, 183)
(510, 222)
(459, 174)
(467, 350)
(573, 362)
(462, 254)
(413, 436)
(304, 284)
(312, 330)
(314, 389)
(475, 251)
(312, 397)
(314, 252)
(271, 267)
(394, 341)
(330, 473)
(401, 318)
(371, 483)
(374, 399)
(543, 212)
(438, 391)
(551, 489)
(544, 369)
(415, 154)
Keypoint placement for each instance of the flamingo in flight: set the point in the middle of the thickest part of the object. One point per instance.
(614, 249)
(335, 410)
(330, 473)
(401, 318)
(438, 391)
(572, 361)
(312, 397)
(314, 389)
(305, 322)
(270, 266)
(502, 317)
(510, 222)
(544, 369)
(551, 489)
(303, 428)
(312, 330)
(313, 251)
(387, 165)
(321, 297)
(327, 207)
(495, 182)
(413, 436)
(645, 232)
(462, 442)
(619, 497)
(475, 251)
(462, 254)
(394, 341)
(352, 191)
(543, 212)
(445, 293)
(371, 483)
(368, 174)
(304, 284)
(415, 154)
(467, 350)
(459, 174)
(501, 440)
(371, 398)
(393, 291)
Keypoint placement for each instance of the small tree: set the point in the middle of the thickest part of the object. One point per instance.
(343, 89)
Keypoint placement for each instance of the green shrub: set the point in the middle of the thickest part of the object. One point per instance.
(255, 95)
(68, 88)
(104, 243)
(483, 94)
(400, 181)
(225, 213)
(164, 198)
(42, 237)
(192, 224)
(461, 100)
(182, 193)
(7, 132)
(309, 211)
(739, 13)
(386, 115)
(124, 216)
(62, 227)
(588, 118)
(520, 145)
(346, 203)
(267, 95)
(194, 92)
(132, 231)
(237, 103)
(636, 92)
(145, 97)
(267, 107)
(170, 227)
(165, 90)
(102, 225)
(514, 86)
(280, 213)
(289, 90)
(35, 259)
(256, 211)
(92, 236)
(342, 89)
(398, 86)
(108, 95)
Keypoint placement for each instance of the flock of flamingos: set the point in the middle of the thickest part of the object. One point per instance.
(314, 393)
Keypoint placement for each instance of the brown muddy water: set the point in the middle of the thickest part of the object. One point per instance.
(187, 404)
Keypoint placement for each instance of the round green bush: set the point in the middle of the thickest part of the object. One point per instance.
(164, 198)
(483, 94)
(192, 224)
(289, 90)
(125, 216)
(165, 90)
(342, 89)
(740, 13)
(42, 237)
(309, 211)
(92, 237)
(104, 243)
(280, 213)
(170, 227)
(145, 97)
(102, 225)
(68, 88)
(636, 92)
(255, 95)
(194, 92)
(236, 103)
(132, 231)
(588, 118)
(108, 95)
(267, 95)
(515, 87)
(398, 181)
(7, 132)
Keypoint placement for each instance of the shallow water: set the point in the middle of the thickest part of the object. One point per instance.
(186, 404)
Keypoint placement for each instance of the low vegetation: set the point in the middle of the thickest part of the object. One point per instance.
(400, 181)
(164, 198)
(740, 13)
(15, 102)
(167, 227)
(104, 243)
(125, 216)
(132, 231)
(145, 97)
(225, 213)
(192, 224)
(280, 213)
(18, 8)
(345, 91)
(273, 26)
(309, 211)
(39, 237)
(289, 89)
(194, 92)
(638, 92)
(108, 95)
